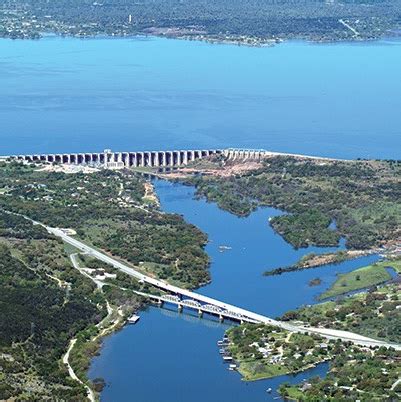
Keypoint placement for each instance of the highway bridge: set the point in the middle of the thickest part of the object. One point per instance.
(119, 160)
(187, 298)
(190, 303)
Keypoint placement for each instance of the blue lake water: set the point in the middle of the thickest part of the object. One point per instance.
(174, 357)
(341, 100)
(237, 273)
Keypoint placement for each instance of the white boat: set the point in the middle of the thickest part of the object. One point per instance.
(133, 319)
(224, 248)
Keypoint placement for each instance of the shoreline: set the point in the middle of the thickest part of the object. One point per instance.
(360, 253)
(288, 373)
(320, 260)
(256, 42)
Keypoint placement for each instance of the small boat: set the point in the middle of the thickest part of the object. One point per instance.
(224, 248)
(232, 367)
(133, 319)
(227, 358)
(269, 390)
(222, 343)
(222, 351)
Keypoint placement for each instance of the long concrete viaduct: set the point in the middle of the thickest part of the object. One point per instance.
(166, 159)
(122, 159)
(116, 160)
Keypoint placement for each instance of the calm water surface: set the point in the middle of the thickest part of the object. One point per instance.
(65, 95)
(174, 357)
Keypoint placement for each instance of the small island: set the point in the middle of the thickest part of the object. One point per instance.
(315, 282)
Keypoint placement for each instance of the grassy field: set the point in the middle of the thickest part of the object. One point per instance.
(70, 249)
(361, 278)
(293, 393)
(256, 370)
(395, 263)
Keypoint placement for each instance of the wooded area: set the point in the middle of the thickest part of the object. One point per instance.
(358, 200)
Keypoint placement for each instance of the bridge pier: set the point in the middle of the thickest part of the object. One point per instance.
(185, 158)
(221, 318)
(245, 154)
(179, 308)
(200, 313)
(178, 160)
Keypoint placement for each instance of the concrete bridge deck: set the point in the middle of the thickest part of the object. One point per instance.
(194, 300)
(201, 308)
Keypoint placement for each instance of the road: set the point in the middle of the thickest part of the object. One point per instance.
(394, 386)
(324, 332)
(74, 261)
(71, 372)
(356, 33)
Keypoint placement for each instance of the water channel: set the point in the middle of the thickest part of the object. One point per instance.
(176, 354)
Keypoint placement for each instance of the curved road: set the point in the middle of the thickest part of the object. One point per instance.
(71, 372)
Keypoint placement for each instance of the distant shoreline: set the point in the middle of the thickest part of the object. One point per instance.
(245, 41)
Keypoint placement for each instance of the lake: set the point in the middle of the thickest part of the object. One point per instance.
(70, 95)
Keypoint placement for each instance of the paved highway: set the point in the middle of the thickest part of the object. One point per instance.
(324, 332)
